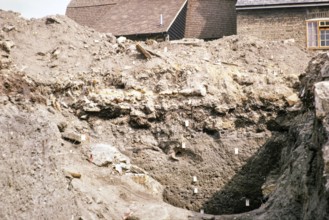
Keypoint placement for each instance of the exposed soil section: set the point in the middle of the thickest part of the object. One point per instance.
(94, 130)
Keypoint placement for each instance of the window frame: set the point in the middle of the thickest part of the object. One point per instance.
(326, 39)
(319, 28)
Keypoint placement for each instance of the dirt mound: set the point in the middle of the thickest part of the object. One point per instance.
(193, 120)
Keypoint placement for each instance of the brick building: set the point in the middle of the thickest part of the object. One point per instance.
(206, 19)
(285, 19)
(209, 19)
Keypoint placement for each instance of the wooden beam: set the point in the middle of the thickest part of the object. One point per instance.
(146, 54)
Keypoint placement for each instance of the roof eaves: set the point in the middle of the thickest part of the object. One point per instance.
(89, 6)
(159, 31)
(303, 5)
(141, 34)
(318, 19)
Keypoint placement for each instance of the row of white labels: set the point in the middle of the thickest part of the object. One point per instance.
(247, 204)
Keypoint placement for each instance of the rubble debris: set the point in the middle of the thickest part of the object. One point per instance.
(293, 99)
(7, 45)
(52, 20)
(137, 170)
(289, 41)
(188, 41)
(111, 38)
(173, 156)
(73, 137)
(153, 186)
(62, 126)
(70, 174)
(92, 109)
(268, 188)
(201, 91)
(55, 53)
(121, 40)
(8, 28)
(227, 63)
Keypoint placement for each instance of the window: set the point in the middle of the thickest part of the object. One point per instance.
(324, 23)
(324, 38)
(312, 33)
(318, 34)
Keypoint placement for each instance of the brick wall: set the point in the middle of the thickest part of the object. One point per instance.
(210, 18)
(278, 24)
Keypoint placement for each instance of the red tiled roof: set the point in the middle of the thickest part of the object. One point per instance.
(125, 17)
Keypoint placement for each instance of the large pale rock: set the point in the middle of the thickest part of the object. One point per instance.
(321, 96)
(105, 154)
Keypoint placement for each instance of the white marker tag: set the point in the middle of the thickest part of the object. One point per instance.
(247, 202)
(83, 137)
(183, 145)
(195, 190)
(187, 123)
(195, 179)
(202, 211)
(236, 150)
